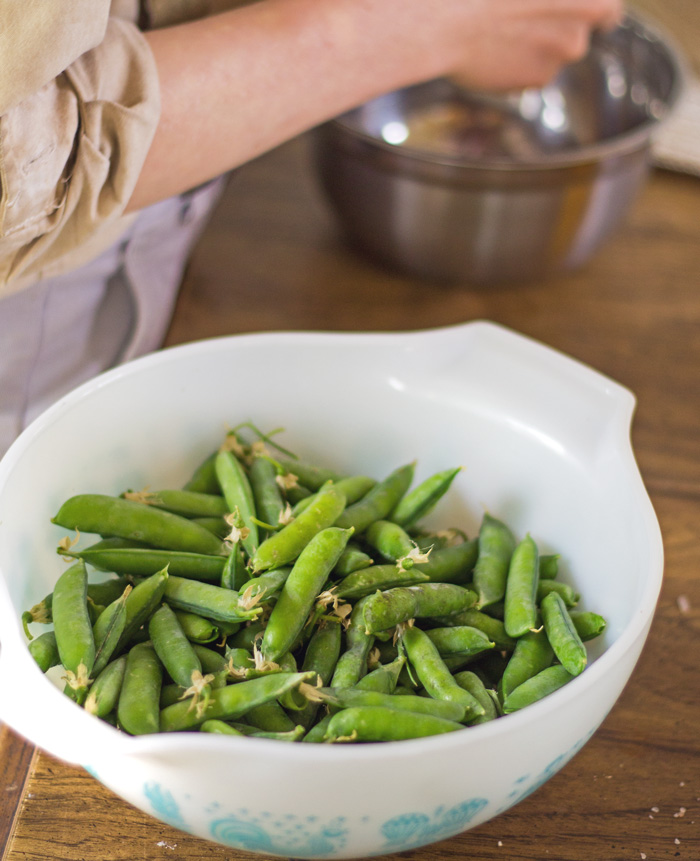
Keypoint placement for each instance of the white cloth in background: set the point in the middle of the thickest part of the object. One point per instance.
(64, 330)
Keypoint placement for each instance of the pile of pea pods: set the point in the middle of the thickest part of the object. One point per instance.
(271, 597)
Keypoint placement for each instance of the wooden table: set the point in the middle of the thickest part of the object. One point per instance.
(272, 259)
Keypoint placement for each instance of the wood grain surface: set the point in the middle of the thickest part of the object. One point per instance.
(272, 258)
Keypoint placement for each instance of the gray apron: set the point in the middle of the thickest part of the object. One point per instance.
(64, 330)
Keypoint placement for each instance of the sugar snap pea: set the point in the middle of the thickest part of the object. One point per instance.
(378, 502)
(367, 580)
(562, 634)
(108, 629)
(422, 499)
(73, 630)
(103, 696)
(236, 490)
(496, 544)
(208, 600)
(284, 546)
(124, 518)
(143, 561)
(536, 688)
(188, 503)
(138, 708)
(44, 650)
(378, 723)
(520, 602)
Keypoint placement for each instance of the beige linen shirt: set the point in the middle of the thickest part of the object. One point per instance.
(79, 104)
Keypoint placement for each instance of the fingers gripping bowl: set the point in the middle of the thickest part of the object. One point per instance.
(544, 443)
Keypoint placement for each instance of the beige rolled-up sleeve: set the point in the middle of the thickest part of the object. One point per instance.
(72, 147)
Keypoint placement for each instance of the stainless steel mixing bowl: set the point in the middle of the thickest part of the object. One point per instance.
(457, 186)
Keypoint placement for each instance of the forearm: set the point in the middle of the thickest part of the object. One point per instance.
(238, 84)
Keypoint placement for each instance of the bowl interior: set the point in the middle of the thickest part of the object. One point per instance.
(543, 442)
(628, 81)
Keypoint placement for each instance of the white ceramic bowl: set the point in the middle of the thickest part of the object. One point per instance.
(545, 445)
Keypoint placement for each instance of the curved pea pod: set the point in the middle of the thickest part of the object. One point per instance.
(203, 478)
(352, 663)
(537, 687)
(368, 580)
(496, 544)
(485, 696)
(235, 574)
(188, 503)
(588, 625)
(143, 561)
(73, 629)
(108, 629)
(379, 502)
(384, 678)
(531, 655)
(452, 564)
(320, 658)
(354, 487)
(352, 559)
(390, 540)
(265, 587)
(44, 650)
(205, 599)
(284, 546)
(196, 628)
(141, 602)
(238, 494)
(493, 628)
(300, 590)
(567, 593)
(232, 701)
(377, 723)
(461, 640)
(123, 518)
(383, 610)
(309, 474)
(426, 662)
(138, 708)
(267, 494)
(562, 634)
(423, 498)
(520, 601)
(104, 692)
(355, 697)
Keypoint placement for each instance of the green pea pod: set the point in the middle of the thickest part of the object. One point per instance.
(138, 708)
(108, 629)
(562, 634)
(474, 685)
(267, 494)
(269, 717)
(238, 494)
(197, 629)
(203, 479)
(376, 723)
(124, 518)
(438, 681)
(531, 655)
(300, 590)
(232, 701)
(422, 499)
(105, 690)
(235, 573)
(520, 602)
(392, 607)
(354, 487)
(264, 588)
(143, 561)
(379, 502)
(549, 566)
(352, 559)
(461, 640)
(73, 629)
(536, 688)
(390, 540)
(320, 658)
(308, 474)
(284, 546)
(451, 564)
(317, 733)
(496, 544)
(188, 503)
(352, 663)
(384, 678)
(205, 599)
(141, 602)
(588, 625)
(493, 628)
(368, 580)
(220, 727)
(44, 650)
(175, 651)
(567, 593)
(355, 697)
